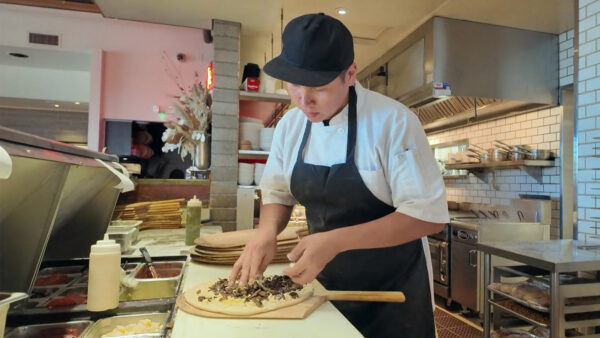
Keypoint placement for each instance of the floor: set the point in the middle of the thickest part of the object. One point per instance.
(452, 325)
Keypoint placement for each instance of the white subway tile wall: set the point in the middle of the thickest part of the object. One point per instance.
(588, 125)
(565, 50)
(539, 129)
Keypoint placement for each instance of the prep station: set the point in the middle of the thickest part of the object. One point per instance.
(64, 205)
(133, 144)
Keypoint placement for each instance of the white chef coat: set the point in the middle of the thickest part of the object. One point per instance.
(392, 155)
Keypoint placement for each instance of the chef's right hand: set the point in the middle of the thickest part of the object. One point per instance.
(257, 254)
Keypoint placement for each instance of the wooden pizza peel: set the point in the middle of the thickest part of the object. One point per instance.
(303, 309)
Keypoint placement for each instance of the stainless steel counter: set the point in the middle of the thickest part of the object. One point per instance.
(558, 256)
(554, 256)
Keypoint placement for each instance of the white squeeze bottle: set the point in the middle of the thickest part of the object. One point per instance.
(104, 275)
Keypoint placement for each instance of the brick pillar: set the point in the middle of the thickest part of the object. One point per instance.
(225, 123)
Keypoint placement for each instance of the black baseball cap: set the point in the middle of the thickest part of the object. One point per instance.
(316, 49)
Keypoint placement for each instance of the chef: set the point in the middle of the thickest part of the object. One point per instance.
(361, 165)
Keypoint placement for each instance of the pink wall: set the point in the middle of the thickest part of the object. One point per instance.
(131, 71)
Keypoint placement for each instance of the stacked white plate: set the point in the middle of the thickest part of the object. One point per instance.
(266, 138)
(250, 130)
(245, 173)
(258, 171)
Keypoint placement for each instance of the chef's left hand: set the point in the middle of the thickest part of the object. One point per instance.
(310, 257)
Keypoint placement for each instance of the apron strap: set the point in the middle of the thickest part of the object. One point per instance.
(303, 143)
(351, 145)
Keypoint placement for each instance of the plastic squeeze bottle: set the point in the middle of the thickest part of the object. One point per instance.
(193, 220)
(104, 275)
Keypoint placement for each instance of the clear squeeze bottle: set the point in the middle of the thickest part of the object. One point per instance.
(193, 220)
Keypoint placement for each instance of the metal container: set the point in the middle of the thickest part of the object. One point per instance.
(6, 298)
(163, 269)
(124, 235)
(120, 222)
(106, 325)
(154, 288)
(77, 291)
(70, 329)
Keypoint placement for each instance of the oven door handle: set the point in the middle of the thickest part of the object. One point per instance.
(473, 258)
(443, 261)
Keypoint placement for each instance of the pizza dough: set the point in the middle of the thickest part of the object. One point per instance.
(264, 295)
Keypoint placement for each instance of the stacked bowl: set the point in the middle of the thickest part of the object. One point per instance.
(245, 173)
(250, 130)
(258, 171)
(266, 138)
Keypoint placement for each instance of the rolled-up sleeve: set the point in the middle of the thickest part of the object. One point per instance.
(415, 180)
(274, 184)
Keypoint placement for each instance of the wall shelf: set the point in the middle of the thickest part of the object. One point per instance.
(454, 177)
(253, 187)
(264, 97)
(532, 167)
(502, 164)
(253, 154)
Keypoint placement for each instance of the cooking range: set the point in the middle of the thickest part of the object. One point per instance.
(439, 248)
(457, 271)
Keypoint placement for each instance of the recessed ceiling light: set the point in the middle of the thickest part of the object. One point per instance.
(341, 11)
(76, 102)
(56, 105)
(18, 55)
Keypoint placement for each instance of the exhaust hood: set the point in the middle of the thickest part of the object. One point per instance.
(451, 71)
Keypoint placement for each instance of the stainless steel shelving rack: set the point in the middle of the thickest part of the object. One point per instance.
(547, 260)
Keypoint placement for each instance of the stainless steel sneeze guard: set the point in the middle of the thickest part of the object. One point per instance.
(57, 202)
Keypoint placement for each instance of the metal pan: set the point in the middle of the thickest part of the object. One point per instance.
(106, 325)
(540, 154)
(76, 328)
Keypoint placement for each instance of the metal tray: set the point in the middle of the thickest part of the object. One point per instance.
(521, 332)
(519, 315)
(38, 330)
(106, 325)
(533, 306)
(155, 302)
(71, 278)
(43, 292)
(72, 269)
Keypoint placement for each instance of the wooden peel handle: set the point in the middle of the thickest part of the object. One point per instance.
(366, 296)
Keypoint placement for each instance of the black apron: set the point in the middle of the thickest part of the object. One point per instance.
(336, 197)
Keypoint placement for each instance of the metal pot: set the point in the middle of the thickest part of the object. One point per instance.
(498, 155)
(540, 154)
(484, 158)
(518, 156)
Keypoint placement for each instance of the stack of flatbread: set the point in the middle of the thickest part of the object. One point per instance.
(225, 248)
(164, 214)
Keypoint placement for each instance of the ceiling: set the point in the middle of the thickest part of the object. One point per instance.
(45, 58)
(48, 59)
(377, 25)
(35, 104)
(364, 18)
